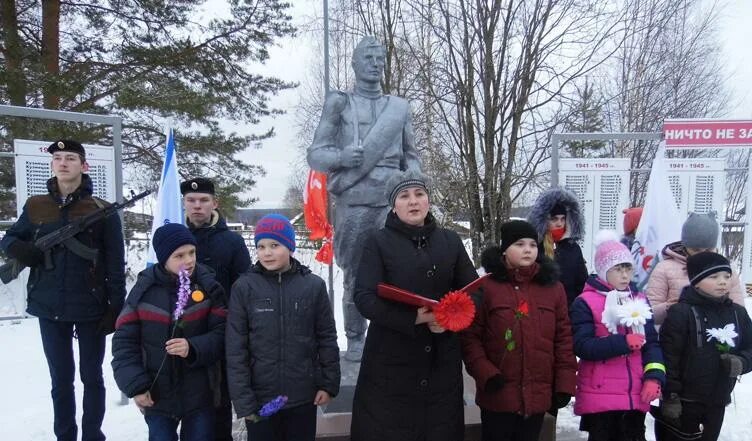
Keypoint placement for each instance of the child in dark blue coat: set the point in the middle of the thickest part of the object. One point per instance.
(167, 346)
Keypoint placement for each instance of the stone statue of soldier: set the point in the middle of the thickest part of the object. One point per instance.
(362, 139)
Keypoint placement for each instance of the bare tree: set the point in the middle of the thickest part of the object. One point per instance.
(667, 67)
(499, 71)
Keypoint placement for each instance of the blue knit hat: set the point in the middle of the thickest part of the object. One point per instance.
(170, 237)
(277, 227)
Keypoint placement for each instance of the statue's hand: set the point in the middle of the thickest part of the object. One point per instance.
(334, 104)
(351, 156)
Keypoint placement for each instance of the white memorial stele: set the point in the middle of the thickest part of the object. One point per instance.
(602, 187)
(698, 184)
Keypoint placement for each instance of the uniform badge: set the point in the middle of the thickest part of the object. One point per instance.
(194, 185)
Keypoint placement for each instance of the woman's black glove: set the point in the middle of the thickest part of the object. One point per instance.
(494, 384)
(561, 399)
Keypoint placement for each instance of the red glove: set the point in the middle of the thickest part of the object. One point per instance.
(635, 341)
(651, 390)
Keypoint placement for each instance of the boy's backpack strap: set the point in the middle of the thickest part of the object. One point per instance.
(698, 327)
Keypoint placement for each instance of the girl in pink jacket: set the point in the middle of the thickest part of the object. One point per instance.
(621, 365)
(669, 277)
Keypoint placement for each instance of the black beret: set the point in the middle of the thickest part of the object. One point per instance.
(67, 145)
(197, 185)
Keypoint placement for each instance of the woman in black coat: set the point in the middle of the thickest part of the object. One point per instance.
(410, 381)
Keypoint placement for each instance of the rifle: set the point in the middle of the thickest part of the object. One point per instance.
(12, 268)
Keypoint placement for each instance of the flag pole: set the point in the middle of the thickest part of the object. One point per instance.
(326, 91)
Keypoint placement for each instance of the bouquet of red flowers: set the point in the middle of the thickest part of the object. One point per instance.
(454, 312)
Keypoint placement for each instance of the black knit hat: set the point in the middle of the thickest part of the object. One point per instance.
(197, 185)
(67, 145)
(515, 230)
(702, 265)
(170, 237)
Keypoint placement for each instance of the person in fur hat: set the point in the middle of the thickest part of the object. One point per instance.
(560, 223)
(519, 347)
(621, 365)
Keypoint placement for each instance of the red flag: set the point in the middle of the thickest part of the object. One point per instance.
(315, 211)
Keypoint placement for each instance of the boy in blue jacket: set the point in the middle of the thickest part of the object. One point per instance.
(168, 361)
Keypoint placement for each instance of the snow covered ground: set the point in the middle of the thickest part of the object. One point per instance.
(26, 409)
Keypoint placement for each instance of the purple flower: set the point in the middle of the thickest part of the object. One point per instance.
(273, 406)
(184, 291)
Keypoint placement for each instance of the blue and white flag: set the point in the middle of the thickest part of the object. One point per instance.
(661, 221)
(169, 202)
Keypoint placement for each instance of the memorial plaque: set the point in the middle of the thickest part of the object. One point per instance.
(602, 187)
(698, 185)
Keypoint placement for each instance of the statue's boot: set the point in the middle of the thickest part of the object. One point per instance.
(354, 349)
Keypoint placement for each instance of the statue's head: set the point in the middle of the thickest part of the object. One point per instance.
(368, 60)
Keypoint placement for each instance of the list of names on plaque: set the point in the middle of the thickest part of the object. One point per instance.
(610, 203)
(704, 192)
(37, 174)
(677, 190)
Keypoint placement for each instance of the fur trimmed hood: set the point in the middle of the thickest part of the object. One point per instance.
(539, 214)
(492, 262)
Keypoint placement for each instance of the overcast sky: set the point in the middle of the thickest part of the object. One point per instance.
(289, 62)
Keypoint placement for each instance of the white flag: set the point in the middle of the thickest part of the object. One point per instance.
(661, 221)
(169, 203)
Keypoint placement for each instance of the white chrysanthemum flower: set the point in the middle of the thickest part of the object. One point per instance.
(635, 313)
(724, 335)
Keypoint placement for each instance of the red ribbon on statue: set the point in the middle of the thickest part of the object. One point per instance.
(454, 312)
(315, 212)
(326, 253)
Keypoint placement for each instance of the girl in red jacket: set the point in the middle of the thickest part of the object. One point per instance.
(519, 348)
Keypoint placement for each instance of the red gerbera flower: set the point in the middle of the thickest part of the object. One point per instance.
(523, 308)
(455, 311)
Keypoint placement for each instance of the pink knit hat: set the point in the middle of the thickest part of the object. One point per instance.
(609, 252)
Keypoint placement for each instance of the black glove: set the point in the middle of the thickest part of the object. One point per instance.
(107, 323)
(494, 384)
(26, 253)
(733, 364)
(671, 407)
(560, 400)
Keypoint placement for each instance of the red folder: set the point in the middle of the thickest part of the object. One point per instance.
(391, 292)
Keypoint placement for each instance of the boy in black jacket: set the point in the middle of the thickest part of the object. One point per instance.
(167, 346)
(707, 343)
(281, 339)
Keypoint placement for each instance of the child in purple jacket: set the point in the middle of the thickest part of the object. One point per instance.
(621, 366)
